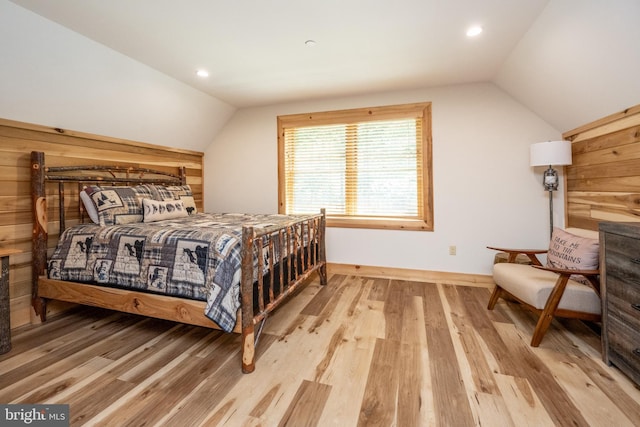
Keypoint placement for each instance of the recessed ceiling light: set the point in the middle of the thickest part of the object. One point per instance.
(310, 43)
(202, 73)
(474, 31)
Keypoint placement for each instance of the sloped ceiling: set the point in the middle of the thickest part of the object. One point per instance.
(579, 61)
(570, 61)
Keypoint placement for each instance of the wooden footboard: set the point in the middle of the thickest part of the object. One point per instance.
(287, 256)
(301, 249)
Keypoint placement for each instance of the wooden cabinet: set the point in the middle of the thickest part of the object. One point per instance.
(620, 284)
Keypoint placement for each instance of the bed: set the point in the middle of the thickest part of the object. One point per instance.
(140, 246)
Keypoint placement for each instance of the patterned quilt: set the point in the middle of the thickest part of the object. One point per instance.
(196, 257)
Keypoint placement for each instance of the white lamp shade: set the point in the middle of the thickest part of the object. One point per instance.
(551, 153)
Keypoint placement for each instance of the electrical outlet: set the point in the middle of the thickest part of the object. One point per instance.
(452, 250)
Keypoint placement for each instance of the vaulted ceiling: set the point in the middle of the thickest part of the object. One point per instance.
(570, 61)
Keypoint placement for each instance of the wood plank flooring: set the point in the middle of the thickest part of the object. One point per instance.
(360, 352)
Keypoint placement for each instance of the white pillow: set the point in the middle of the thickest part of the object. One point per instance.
(156, 210)
(89, 206)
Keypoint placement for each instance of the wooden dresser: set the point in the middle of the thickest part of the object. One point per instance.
(620, 285)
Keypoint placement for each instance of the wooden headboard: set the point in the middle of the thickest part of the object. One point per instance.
(65, 147)
(603, 183)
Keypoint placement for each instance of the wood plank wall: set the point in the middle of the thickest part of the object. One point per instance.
(64, 147)
(603, 183)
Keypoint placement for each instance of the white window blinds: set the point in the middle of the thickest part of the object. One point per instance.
(356, 164)
(359, 169)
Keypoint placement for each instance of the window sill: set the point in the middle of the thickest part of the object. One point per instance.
(379, 223)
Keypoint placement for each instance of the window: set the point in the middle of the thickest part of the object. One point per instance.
(368, 167)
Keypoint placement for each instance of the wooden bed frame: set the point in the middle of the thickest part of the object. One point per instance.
(304, 259)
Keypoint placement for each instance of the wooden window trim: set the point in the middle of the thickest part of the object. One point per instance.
(404, 111)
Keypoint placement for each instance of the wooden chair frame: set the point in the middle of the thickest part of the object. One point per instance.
(551, 309)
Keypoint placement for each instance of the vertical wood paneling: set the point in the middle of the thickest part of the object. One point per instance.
(64, 147)
(603, 183)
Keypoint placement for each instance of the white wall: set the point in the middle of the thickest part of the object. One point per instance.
(52, 76)
(485, 192)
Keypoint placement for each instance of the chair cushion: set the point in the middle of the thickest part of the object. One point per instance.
(533, 286)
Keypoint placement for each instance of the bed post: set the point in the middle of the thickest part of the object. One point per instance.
(321, 248)
(39, 237)
(246, 291)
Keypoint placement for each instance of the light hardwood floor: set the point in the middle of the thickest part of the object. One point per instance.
(360, 352)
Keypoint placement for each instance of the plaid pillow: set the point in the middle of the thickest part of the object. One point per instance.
(120, 205)
(177, 192)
